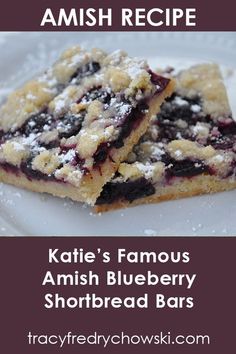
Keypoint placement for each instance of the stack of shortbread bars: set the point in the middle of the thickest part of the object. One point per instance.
(106, 130)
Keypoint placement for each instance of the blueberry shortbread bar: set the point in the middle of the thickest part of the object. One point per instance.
(189, 148)
(66, 132)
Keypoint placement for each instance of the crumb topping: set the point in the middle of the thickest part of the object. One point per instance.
(46, 162)
(205, 79)
(182, 149)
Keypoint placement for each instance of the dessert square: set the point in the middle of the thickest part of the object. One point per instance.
(66, 132)
(189, 148)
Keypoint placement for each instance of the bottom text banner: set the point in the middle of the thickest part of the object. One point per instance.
(114, 295)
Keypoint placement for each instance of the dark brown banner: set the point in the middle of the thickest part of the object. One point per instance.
(123, 15)
(164, 295)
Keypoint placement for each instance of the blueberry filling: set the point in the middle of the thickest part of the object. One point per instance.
(79, 162)
(2, 135)
(183, 168)
(224, 135)
(31, 174)
(190, 111)
(186, 168)
(160, 82)
(97, 93)
(223, 142)
(182, 109)
(84, 71)
(37, 123)
(131, 122)
(49, 145)
(128, 123)
(67, 125)
(227, 128)
(5, 136)
(130, 191)
(70, 125)
(10, 168)
(177, 107)
(101, 154)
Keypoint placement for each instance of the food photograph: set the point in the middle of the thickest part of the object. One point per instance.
(107, 134)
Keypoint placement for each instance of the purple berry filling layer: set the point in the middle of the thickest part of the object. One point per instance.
(132, 190)
(86, 70)
(128, 190)
(183, 168)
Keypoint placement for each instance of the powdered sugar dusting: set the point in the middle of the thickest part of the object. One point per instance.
(180, 101)
(17, 146)
(69, 156)
(147, 169)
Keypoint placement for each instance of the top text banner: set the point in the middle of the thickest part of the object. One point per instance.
(122, 15)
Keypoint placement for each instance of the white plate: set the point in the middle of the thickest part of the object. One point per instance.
(25, 213)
